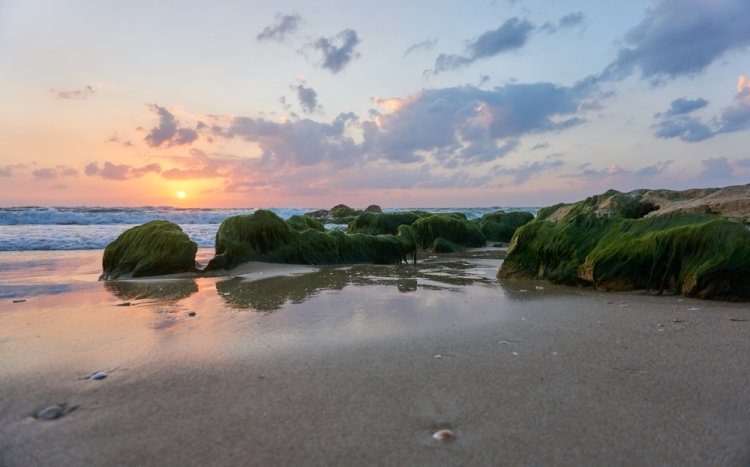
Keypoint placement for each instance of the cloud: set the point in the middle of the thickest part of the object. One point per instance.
(116, 139)
(653, 170)
(51, 173)
(200, 165)
(571, 20)
(543, 145)
(112, 171)
(511, 35)
(78, 94)
(168, 133)
(716, 168)
(568, 21)
(682, 37)
(688, 129)
(683, 106)
(676, 124)
(528, 170)
(308, 98)
(283, 26)
(425, 45)
(743, 162)
(302, 142)
(470, 125)
(338, 51)
(7, 171)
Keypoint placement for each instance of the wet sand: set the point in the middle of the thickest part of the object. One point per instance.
(360, 365)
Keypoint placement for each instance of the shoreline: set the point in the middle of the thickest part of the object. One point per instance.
(363, 363)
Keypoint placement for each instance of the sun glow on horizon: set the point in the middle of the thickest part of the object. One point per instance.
(181, 194)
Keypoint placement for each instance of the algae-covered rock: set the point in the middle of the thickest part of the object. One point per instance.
(441, 245)
(375, 224)
(157, 247)
(703, 256)
(621, 241)
(450, 227)
(302, 223)
(342, 210)
(374, 208)
(499, 226)
(263, 236)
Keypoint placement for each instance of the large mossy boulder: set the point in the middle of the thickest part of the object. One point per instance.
(371, 223)
(450, 227)
(620, 241)
(154, 248)
(263, 236)
(499, 226)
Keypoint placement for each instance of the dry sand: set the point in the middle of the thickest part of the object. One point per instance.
(360, 366)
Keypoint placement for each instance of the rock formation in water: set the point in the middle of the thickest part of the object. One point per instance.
(264, 236)
(694, 242)
(154, 248)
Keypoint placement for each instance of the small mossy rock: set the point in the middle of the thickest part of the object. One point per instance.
(319, 214)
(250, 237)
(620, 241)
(450, 227)
(441, 245)
(302, 223)
(376, 224)
(500, 226)
(374, 208)
(342, 210)
(154, 248)
(263, 236)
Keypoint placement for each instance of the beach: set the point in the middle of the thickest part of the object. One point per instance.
(360, 365)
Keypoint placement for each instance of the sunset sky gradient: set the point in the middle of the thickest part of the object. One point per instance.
(402, 104)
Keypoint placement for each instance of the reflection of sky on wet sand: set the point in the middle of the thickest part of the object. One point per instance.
(273, 293)
(242, 315)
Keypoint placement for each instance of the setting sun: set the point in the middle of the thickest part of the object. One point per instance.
(181, 194)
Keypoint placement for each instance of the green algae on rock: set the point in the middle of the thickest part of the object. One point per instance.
(263, 236)
(499, 226)
(376, 224)
(441, 245)
(154, 248)
(302, 223)
(620, 241)
(450, 227)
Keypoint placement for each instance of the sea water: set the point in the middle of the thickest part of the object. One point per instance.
(92, 228)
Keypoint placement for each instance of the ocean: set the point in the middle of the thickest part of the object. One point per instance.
(92, 228)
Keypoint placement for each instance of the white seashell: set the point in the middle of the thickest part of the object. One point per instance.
(444, 435)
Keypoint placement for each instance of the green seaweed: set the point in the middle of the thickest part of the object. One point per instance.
(263, 236)
(500, 226)
(376, 224)
(450, 227)
(302, 223)
(156, 247)
(441, 245)
(698, 255)
(606, 241)
(342, 210)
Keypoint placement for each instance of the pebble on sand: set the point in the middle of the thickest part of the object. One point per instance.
(98, 375)
(444, 435)
(50, 413)
(124, 304)
(191, 313)
(19, 301)
(53, 412)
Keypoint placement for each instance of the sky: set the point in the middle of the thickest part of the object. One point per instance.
(402, 104)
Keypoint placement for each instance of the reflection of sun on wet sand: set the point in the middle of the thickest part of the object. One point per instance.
(365, 364)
